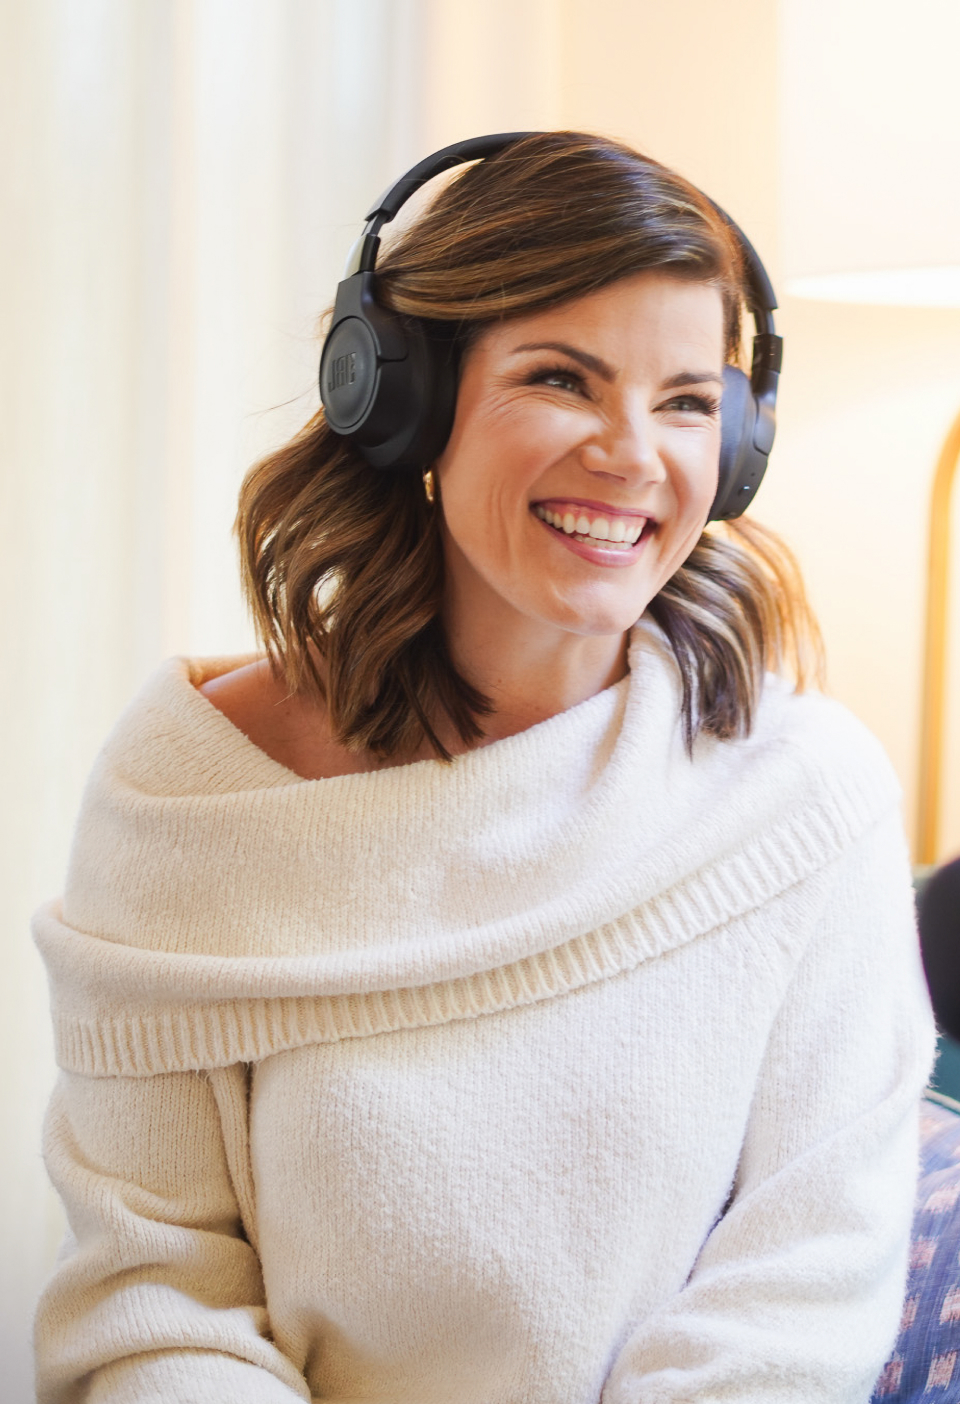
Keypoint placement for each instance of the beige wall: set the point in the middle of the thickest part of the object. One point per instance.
(867, 393)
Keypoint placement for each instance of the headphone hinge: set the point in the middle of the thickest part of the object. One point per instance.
(767, 357)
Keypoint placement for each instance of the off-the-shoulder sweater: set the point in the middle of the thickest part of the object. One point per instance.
(579, 1070)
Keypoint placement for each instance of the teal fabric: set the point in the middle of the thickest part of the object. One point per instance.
(946, 1072)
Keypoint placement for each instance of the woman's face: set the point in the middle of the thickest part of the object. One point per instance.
(583, 458)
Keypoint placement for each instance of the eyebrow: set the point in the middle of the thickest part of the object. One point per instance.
(692, 378)
(591, 363)
(605, 372)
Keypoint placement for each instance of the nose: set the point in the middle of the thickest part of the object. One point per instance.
(626, 447)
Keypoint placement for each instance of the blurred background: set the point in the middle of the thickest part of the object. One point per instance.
(181, 182)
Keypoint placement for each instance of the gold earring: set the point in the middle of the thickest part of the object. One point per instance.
(429, 487)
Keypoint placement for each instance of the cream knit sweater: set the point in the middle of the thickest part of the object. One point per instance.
(574, 1071)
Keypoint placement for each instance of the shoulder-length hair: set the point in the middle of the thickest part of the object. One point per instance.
(342, 564)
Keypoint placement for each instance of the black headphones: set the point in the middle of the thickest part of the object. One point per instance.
(389, 383)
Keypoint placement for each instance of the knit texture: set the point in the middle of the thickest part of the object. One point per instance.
(484, 1051)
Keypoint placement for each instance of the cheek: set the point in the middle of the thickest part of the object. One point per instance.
(492, 465)
(471, 500)
(519, 433)
(696, 483)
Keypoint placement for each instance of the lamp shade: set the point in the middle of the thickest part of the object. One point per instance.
(870, 145)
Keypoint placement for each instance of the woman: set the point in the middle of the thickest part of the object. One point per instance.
(501, 991)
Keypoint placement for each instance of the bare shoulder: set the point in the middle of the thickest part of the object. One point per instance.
(258, 704)
(293, 731)
(244, 693)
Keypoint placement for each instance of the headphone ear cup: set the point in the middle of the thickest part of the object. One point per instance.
(411, 416)
(349, 374)
(388, 383)
(741, 464)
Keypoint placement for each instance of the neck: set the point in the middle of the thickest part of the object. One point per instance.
(529, 672)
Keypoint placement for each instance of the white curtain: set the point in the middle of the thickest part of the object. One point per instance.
(181, 182)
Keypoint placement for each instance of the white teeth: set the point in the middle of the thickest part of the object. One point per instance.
(616, 531)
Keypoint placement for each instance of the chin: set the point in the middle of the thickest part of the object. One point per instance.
(593, 622)
(599, 607)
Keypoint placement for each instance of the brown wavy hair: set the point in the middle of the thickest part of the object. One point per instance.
(342, 564)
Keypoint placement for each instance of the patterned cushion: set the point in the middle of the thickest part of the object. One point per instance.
(925, 1364)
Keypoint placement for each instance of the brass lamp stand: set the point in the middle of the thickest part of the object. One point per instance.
(935, 650)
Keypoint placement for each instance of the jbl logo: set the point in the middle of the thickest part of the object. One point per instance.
(343, 371)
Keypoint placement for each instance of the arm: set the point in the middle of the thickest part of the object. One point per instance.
(795, 1297)
(158, 1293)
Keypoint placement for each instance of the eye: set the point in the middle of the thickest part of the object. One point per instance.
(707, 405)
(559, 377)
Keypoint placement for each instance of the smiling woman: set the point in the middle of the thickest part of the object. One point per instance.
(574, 284)
(507, 990)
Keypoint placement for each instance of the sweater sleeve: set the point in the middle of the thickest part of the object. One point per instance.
(797, 1291)
(157, 1294)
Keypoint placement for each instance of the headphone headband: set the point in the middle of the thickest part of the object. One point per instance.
(458, 154)
(391, 388)
(363, 256)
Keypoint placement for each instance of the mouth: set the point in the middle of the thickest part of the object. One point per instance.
(603, 528)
